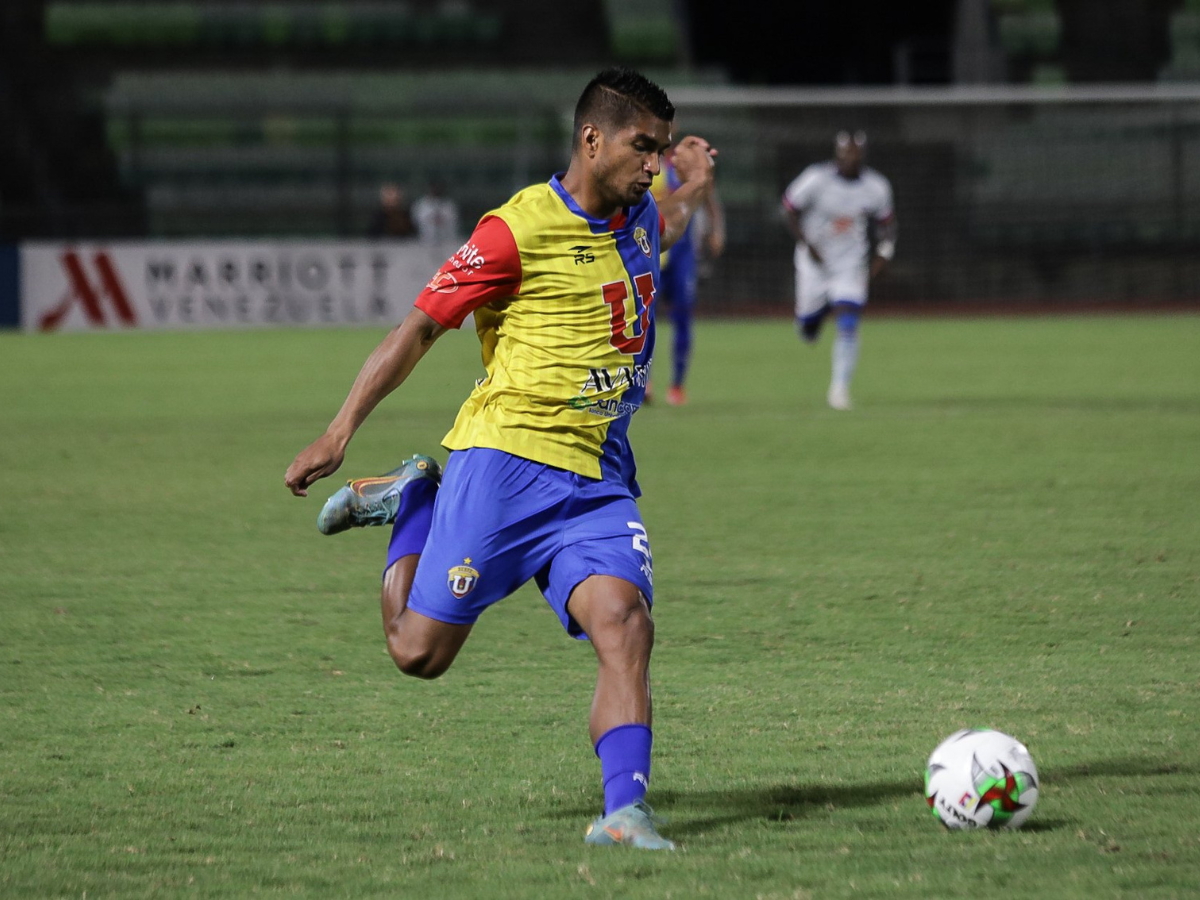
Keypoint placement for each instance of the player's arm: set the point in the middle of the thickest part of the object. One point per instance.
(385, 370)
(796, 199)
(487, 267)
(885, 245)
(694, 162)
(716, 223)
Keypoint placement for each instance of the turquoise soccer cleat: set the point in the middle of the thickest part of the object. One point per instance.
(374, 501)
(632, 826)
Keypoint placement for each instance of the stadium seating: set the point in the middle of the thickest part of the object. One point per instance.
(229, 23)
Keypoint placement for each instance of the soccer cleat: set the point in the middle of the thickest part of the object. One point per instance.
(374, 501)
(676, 396)
(631, 825)
(839, 398)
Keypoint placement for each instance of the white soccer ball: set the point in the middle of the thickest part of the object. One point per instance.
(979, 778)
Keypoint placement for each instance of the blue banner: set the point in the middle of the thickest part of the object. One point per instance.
(10, 286)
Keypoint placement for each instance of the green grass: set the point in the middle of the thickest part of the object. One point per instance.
(195, 699)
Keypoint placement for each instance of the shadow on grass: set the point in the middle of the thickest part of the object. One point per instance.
(776, 803)
(789, 802)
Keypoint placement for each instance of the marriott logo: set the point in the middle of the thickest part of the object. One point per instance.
(95, 287)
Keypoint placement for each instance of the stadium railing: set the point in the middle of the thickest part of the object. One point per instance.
(1032, 195)
(1004, 195)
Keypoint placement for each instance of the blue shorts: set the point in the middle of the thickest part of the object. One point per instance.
(500, 520)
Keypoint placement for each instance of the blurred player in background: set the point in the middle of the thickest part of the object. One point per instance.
(392, 217)
(540, 483)
(840, 214)
(436, 215)
(705, 234)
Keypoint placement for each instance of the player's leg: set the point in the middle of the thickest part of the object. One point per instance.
(683, 283)
(405, 497)
(845, 352)
(600, 583)
(812, 305)
(489, 531)
(419, 645)
(616, 617)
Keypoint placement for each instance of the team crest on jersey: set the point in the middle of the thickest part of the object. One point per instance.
(643, 242)
(462, 579)
(443, 283)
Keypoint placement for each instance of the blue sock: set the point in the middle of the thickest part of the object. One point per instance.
(413, 519)
(624, 754)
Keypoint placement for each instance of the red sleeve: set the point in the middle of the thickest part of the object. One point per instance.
(486, 268)
(662, 225)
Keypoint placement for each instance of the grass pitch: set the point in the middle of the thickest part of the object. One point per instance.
(195, 698)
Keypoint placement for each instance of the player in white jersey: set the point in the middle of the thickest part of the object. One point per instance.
(840, 214)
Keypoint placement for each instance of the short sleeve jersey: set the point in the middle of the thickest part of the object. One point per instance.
(837, 212)
(564, 310)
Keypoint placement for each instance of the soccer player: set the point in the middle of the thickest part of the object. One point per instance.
(840, 214)
(540, 482)
(681, 273)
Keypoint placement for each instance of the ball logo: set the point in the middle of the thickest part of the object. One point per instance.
(443, 283)
(462, 579)
(643, 242)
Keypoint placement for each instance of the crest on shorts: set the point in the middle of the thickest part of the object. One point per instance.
(643, 242)
(462, 579)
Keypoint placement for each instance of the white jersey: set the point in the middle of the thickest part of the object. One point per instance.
(436, 219)
(836, 214)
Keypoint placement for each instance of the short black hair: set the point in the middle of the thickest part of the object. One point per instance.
(618, 95)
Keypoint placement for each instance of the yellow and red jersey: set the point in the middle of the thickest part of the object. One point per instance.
(564, 309)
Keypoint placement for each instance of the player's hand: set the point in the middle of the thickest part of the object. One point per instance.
(320, 458)
(694, 159)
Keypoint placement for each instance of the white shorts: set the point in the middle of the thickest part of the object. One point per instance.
(818, 285)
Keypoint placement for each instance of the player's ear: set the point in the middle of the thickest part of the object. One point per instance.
(589, 140)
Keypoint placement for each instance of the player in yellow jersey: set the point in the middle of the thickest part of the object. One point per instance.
(540, 483)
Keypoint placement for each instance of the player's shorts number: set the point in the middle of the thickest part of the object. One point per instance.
(616, 293)
(641, 541)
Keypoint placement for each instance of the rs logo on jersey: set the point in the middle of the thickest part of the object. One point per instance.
(643, 242)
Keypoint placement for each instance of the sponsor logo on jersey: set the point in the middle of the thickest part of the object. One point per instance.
(643, 242)
(583, 254)
(610, 408)
(621, 377)
(462, 579)
(469, 256)
(443, 283)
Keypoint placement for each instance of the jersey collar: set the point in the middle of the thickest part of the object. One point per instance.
(616, 223)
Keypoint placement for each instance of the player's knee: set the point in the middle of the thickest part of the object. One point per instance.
(626, 623)
(419, 662)
(847, 321)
